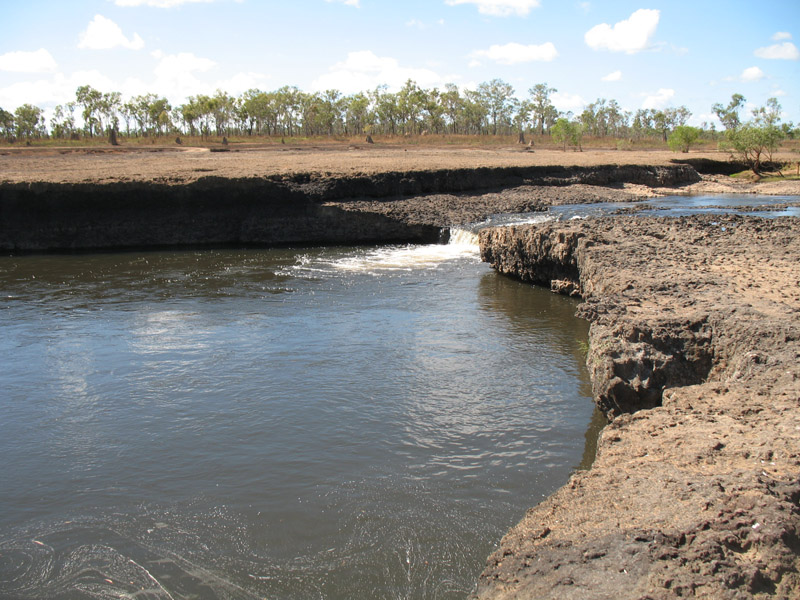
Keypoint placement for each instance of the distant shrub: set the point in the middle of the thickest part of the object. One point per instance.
(682, 138)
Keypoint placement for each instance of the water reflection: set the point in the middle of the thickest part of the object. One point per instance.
(266, 423)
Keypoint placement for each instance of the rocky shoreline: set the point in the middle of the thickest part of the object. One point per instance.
(695, 356)
(300, 209)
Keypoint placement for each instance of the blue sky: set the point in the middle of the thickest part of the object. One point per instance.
(644, 54)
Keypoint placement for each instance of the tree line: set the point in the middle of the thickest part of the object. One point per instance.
(490, 109)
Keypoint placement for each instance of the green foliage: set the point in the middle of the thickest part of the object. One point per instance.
(490, 109)
(545, 114)
(756, 140)
(29, 122)
(567, 132)
(682, 138)
(754, 144)
(729, 115)
(6, 124)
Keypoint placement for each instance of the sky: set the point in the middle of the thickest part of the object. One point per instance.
(644, 54)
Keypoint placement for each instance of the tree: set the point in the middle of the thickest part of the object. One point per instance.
(62, 125)
(729, 115)
(682, 137)
(6, 124)
(29, 121)
(567, 132)
(453, 105)
(544, 113)
(90, 99)
(497, 95)
(754, 144)
(755, 141)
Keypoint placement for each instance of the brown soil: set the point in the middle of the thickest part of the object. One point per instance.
(697, 319)
(182, 165)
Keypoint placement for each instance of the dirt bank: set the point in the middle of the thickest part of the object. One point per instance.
(699, 496)
(304, 209)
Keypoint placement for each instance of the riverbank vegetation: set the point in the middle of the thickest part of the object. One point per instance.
(489, 114)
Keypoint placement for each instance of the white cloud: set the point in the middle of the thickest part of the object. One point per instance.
(565, 101)
(661, 99)
(159, 3)
(500, 8)
(752, 74)
(40, 61)
(513, 53)
(615, 76)
(631, 35)
(784, 51)
(782, 35)
(57, 89)
(347, 2)
(103, 33)
(365, 70)
(708, 119)
(175, 75)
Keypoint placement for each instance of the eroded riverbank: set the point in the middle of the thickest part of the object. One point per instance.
(721, 519)
(697, 317)
(298, 209)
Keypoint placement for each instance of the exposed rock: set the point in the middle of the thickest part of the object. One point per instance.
(695, 354)
(306, 208)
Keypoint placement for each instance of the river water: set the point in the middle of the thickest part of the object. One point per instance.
(295, 423)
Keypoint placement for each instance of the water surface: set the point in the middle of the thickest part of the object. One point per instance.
(327, 423)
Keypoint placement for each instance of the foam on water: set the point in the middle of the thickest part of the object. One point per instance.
(463, 245)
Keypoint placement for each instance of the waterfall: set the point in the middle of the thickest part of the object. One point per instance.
(463, 237)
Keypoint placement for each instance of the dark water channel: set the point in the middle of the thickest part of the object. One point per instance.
(327, 423)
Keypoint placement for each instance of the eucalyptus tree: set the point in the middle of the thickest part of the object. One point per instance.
(497, 96)
(410, 104)
(665, 121)
(29, 122)
(62, 123)
(90, 99)
(159, 113)
(756, 140)
(357, 113)
(386, 109)
(109, 106)
(475, 112)
(7, 127)
(452, 105)
(522, 118)
(643, 123)
(288, 99)
(729, 115)
(542, 109)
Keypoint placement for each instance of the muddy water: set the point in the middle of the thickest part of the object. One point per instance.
(329, 423)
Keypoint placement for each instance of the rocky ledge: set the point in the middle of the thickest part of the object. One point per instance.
(297, 208)
(695, 356)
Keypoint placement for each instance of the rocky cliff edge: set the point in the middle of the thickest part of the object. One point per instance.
(695, 356)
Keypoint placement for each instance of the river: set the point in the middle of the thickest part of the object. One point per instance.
(286, 423)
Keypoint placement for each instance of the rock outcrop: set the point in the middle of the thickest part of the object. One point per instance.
(695, 356)
(282, 209)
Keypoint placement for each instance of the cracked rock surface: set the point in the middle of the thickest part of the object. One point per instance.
(695, 356)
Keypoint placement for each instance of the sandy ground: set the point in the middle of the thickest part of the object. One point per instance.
(183, 165)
